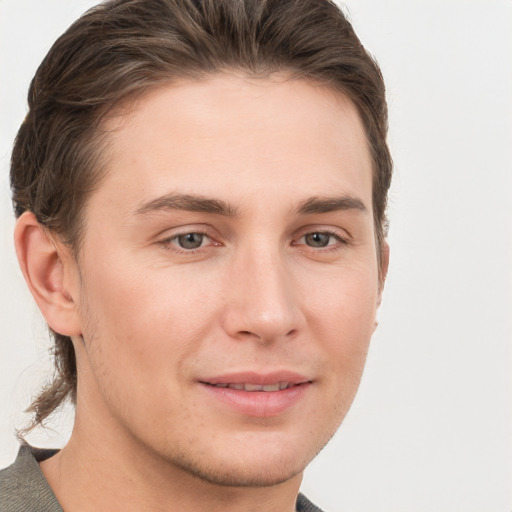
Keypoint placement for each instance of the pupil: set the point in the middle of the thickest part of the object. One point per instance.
(317, 239)
(191, 240)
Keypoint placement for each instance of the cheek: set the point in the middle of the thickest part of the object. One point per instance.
(140, 331)
(345, 301)
(144, 320)
(343, 317)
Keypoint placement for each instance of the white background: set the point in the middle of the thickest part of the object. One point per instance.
(431, 428)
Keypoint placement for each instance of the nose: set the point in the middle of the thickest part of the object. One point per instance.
(262, 300)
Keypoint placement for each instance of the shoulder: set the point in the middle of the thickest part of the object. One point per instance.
(23, 487)
(304, 505)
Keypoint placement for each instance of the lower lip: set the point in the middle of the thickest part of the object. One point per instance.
(259, 403)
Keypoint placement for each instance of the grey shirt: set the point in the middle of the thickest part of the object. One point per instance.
(23, 487)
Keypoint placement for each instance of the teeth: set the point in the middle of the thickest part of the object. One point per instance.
(271, 387)
(256, 387)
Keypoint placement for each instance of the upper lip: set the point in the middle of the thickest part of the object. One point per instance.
(256, 378)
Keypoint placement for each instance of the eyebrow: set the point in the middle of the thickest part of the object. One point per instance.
(184, 202)
(331, 204)
(187, 203)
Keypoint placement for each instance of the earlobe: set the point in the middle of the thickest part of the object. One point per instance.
(49, 270)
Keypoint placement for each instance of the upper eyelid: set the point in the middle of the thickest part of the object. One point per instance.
(169, 234)
(335, 231)
(173, 238)
(189, 232)
(185, 230)
(339, 239)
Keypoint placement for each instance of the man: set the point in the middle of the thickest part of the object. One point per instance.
(200, 189)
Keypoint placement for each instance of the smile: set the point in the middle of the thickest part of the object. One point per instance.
(279, 386)
(257, 395)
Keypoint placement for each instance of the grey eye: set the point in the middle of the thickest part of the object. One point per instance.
(190, 240)
(317, 239)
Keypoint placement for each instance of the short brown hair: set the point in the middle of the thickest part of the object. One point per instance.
(122, 48)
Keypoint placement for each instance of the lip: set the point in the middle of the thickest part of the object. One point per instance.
(257, 403)
(260, 379)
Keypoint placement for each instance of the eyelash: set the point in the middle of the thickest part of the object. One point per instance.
(343, 241)
(168, 244)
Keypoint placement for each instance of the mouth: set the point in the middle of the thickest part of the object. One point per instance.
(278, 386)
(257, 395)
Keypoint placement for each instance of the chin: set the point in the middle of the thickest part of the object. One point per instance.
(250, 461)
(261, 473)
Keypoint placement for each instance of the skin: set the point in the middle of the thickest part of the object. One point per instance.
(268, 287)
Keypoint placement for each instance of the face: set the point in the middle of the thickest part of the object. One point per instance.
(228, 277)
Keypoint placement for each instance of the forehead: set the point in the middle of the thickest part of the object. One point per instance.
(230, 136)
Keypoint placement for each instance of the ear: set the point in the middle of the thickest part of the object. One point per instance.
(383, 270)
(51, 274)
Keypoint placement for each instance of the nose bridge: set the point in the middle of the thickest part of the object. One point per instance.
(263, 302)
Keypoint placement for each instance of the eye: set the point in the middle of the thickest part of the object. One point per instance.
(322, 239)
(318, 239)
(190, 240)
(187, 242)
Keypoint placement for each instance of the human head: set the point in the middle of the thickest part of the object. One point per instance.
(121, 49)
